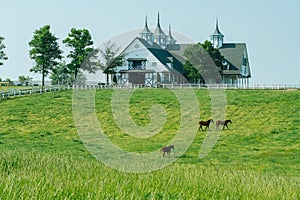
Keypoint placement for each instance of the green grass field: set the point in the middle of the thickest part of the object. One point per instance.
(42, 156)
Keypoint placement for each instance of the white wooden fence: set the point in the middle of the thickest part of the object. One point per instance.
(38, 90)
(14, 92)
(200, 86)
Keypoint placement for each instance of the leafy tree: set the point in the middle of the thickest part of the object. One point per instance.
(214, 53)
(45, 51)
(25, 80)
(60, 75)
(2, 53)
(191, 73)
(82, 55)
(111, 59)
(203, 57)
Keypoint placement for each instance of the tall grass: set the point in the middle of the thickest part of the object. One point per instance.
(42, 176)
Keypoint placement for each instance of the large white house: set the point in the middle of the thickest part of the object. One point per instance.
(155, 57)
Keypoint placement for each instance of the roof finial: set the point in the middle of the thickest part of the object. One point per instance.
(171, 40)
(217, 31)
(170, 30)
(146, 23)
(158, 22)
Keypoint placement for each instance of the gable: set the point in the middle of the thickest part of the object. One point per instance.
(158, 59)
(236, 55)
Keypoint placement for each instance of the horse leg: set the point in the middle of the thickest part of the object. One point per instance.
(227, 126)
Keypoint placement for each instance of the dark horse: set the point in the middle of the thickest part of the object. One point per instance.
(167, 150)
(205, 123)
(224, 123)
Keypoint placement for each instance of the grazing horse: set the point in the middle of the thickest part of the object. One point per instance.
(224, 123)
(167, 150)
(205, 123)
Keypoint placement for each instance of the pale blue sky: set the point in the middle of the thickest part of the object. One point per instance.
(270, 28)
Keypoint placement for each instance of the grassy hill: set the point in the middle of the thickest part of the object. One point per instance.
(43, 157)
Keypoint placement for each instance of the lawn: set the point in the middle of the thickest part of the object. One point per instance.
(43, 157)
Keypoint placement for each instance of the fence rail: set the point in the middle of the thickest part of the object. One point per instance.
(29, 91)
(38, 90)
(207, 86)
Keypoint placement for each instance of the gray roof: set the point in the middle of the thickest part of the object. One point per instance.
(163, 55)
(177, 48)
(234, 54)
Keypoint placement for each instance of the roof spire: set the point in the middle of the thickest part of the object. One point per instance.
(217, 37)
(146, 34)
(146, 29)
(158, 22)
(146, 24)
(217, 31)
(171, 40)
(158, 30)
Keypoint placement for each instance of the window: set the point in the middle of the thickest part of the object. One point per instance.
(130, 65)
(143, 64)
(125, 75)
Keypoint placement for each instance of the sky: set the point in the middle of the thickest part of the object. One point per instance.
(270, 28)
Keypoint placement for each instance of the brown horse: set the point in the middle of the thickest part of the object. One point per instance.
(224, 123)
(205, 123)
(167, 150)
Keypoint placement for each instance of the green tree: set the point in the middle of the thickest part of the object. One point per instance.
(60, 75)
(206, 60)
(45, 51)
(191, 73)
(24, 80)
(111, 59)
(213, 52)
(82, 55)
(2, 53)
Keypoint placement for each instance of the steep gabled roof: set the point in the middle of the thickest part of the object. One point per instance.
(164, 57)
(161, 54)
(234, 54)
(177, 48)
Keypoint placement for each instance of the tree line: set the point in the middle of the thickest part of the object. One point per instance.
(47, 55)
(45, 51)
